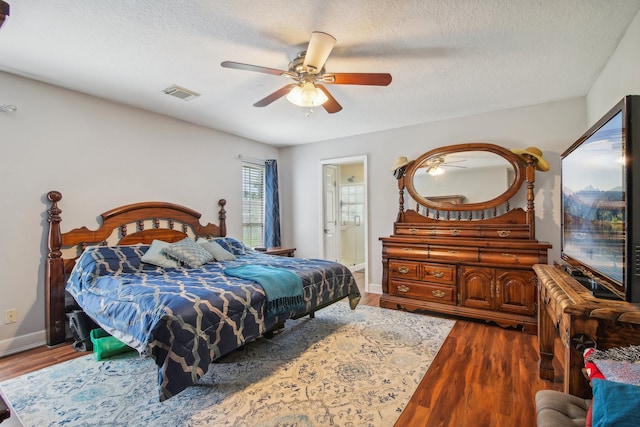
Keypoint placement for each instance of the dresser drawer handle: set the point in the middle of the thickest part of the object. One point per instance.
(438, 293)
(403, 270)
(438, 274)
(413, 230)
(504, 233)
(453, 252)
(403, 288)
(455, 232)
(509, 255)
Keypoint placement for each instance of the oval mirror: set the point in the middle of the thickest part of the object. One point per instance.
(464, 177)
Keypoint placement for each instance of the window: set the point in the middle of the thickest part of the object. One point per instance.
(252, 204)
(351, 204)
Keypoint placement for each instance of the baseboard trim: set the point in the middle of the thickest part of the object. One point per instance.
(375, 288)
(22, 343)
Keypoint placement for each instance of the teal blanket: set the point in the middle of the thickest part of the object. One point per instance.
(282, 288)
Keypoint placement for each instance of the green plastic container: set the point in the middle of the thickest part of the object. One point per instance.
(104, 345)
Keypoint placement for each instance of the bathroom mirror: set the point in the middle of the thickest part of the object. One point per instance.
(465, 177)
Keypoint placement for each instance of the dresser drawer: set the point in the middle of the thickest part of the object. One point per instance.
(411, 230)
(506, 232)
(435, 231)
(509, 257)
(439, 273)
(404, 270)
(445, 294)
(453, 253)
(419, 252)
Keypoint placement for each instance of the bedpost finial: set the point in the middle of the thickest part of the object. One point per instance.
(54, 196)
(222, 216)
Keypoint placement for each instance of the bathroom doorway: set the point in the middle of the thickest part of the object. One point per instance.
(344, 219)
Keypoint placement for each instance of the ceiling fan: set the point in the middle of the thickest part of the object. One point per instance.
(435, 165)
(308, 72)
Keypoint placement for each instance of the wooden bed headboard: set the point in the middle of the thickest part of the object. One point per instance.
(126, 225)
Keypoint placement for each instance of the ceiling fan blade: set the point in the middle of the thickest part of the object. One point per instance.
(330, 105)
(275, 95)
(432, 163)
(249, 67)
(320, 46)
(372, 79)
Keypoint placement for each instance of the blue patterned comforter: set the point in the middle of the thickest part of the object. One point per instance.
(184, 318)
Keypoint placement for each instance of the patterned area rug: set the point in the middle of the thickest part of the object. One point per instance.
(343, 368)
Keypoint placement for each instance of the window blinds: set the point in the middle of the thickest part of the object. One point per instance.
(252, 204)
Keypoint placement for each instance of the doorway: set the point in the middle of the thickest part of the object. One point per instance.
(344, 219)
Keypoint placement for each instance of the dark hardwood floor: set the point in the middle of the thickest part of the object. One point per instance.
(482, 376)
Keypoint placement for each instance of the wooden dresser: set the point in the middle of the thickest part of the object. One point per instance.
(570, 311)
(465, 259)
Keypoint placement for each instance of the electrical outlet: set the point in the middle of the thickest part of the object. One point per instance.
(11, 316)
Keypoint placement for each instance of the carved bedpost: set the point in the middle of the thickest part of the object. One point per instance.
(531, 178)
(54, 275)
(223, 217)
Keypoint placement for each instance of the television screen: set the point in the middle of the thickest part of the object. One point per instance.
(593, 202)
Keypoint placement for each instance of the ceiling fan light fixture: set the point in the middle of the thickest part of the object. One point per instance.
(307, 95)
(320, 46)
(435, 171)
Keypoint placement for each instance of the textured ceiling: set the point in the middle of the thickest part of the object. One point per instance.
(448, 58)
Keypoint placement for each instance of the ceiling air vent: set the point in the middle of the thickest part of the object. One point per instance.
(180, 92)
(7, 108)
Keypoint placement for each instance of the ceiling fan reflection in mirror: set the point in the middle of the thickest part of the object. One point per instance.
(308, 71)
(435, 166)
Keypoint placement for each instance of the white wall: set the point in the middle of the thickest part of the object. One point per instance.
(620, 77)
(100, 155)
(551, 127)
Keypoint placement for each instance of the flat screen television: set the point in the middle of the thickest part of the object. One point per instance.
(600, 178)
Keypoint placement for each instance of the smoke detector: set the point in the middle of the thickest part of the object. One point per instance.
(180, 92)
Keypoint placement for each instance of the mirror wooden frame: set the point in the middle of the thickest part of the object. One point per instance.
(516, 162)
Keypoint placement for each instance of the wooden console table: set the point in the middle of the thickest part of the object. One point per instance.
(582, 320)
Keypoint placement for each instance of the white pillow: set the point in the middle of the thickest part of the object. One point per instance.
(156, 256)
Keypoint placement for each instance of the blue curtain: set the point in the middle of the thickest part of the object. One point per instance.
(271, 205)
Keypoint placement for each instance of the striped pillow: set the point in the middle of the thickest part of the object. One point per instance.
(218, 252)
(188, 252)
